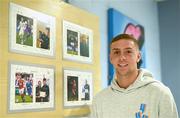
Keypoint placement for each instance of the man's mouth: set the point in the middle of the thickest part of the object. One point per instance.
(122, 65)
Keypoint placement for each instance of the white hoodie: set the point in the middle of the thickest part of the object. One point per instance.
(145, 98)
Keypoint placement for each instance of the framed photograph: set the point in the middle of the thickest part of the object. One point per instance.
(31, 32)
(78, 87)
(31, 87)
(77, 43)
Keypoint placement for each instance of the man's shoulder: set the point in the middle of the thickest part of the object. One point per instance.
(159, 87)
(103, 93)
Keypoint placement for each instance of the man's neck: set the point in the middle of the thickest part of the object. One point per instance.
(126, 80)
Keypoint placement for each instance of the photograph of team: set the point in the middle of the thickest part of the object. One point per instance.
(23, 87)
(24, 30)
(43, 35)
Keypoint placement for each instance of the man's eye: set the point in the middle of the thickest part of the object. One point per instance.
(128, 51)
(116, 52)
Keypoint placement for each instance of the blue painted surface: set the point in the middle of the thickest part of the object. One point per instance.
(117, 23)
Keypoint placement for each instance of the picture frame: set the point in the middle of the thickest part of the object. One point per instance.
(31, 32)
(78, 88)
(31, 87)
(77, 43)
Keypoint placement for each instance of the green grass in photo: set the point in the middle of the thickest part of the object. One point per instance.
(72, 52)
(27, 40)
(27, 98)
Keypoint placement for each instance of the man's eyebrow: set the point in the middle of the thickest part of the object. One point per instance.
(115, 49)
(128, 48)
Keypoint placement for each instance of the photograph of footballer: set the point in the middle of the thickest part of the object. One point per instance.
(78, 87)
(24, 34)
(31, 87)
(77, 43)
(72, 42)
(31, 32)
(72, 88)
(23, 87)
(85, 89)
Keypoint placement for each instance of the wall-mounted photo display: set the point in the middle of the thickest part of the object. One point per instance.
(31, 32)
(31, 87)
(77, 43)
(78, 87)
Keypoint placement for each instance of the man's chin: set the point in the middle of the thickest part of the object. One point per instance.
(122, 73)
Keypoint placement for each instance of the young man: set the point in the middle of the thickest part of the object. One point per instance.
(21, 84)
(38, 90)
(134, 93)
(87, 90)
(21, 28)
(45, 89)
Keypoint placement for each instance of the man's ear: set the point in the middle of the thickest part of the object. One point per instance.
(138, 56)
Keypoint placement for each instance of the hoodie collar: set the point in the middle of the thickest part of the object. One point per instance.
(144, 78)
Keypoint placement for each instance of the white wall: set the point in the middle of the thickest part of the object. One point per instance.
(144, 12)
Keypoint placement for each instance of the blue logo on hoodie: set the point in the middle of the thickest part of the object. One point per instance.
(141, 114)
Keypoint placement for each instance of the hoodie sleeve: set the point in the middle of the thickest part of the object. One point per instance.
(167, 106)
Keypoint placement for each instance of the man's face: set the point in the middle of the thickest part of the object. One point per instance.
(18, 76)
(44, 82)
(124, 56)
(39, 83)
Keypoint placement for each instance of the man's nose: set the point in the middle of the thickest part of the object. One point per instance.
(122, 57)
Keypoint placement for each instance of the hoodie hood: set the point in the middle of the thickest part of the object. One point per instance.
(144, 78)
